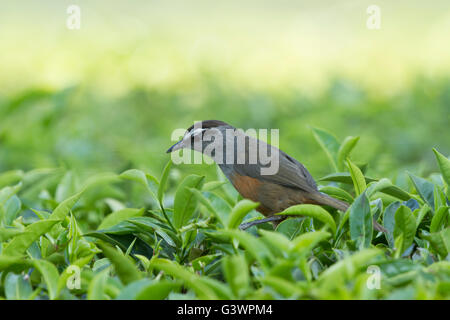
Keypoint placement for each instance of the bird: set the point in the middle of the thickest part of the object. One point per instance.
(290, 184)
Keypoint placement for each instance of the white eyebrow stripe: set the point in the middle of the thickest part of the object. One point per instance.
(197, 131)
(194, 132)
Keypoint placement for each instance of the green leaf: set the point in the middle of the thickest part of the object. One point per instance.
(329, 145)
(147, 181)
(359, 182)
(213, 185)
(18, 245)
(361, 224)
(389, 222)
(119, 216)
(385, 185)
(221, 206)
(392, 268)
(345, 269)
(201, 262)
(282, 286)
(440, 219)
(376, 208)
(405, 226)
(440, 200)
(8, 261)
(236, 273)
(230, 193)
(240, 210)
(39, 179)
(222, 291)
(185, 202)
(276, 240)
(337, 193)
(157, 290)
(311, 210)
(12, 208)
(344, 150)
(65, 188)
(50, 275)
(290, 227)
(144, 261)
(131, 291)
(97, 286)
(441, 267)
(424, 188)
(63, 209)
(7, 192)
(69, 271)
(16, 287)
(254, 246)
(146, 224)
(343, 177)
(208, 205)
(122, 235)
(11, 177)
(163, 181)
(191, 280)
(102, 178)
(284, 268)
(8, 233)
(444, 166)
(303, 244)
(439, 241)
(126, 270)
(421, 214)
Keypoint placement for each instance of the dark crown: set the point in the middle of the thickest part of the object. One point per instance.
(207, 124)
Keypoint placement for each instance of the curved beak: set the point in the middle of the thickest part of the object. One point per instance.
(175, 147)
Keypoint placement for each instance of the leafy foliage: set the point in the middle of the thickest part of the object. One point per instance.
(188, 244)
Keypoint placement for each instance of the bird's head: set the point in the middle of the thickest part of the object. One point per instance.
(194, 136)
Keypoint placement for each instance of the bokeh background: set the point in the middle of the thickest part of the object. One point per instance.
(106, 97)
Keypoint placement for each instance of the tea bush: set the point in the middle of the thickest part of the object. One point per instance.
(133, 236)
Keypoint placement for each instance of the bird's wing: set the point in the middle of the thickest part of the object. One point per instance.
(291, 173)
(301, 171)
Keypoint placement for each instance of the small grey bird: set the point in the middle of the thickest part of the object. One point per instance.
(272, 178)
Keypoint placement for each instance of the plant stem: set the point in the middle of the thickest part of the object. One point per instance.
(167, 218)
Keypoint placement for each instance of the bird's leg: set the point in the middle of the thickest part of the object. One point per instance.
(247, 225)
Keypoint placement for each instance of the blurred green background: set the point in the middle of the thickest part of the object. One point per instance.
(107, 97)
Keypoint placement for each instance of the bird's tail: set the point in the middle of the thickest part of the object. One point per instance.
(324, 199)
